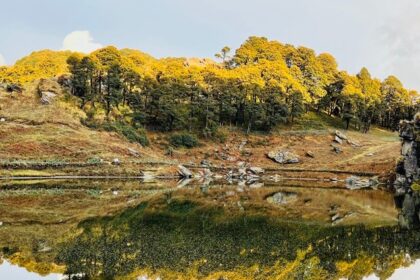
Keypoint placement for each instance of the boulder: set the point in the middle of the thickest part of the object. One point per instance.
(283, 156)
(338, 140)
(184, 172)
(340, 135)
(47, 97)
(281, 198)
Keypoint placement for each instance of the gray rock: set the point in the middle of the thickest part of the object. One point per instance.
(340, 135)
(408, 148)
(406, 130)
(310, 154)
(338, 140)
(336, 149)
(282, 198)
(47, 97)
(410, 165)
(205, 163)
(256, 170)
(134, 152)
(353, 143)
(184, 172)
(335, 217)
(116, 161)
(256, 185)
(283, 156)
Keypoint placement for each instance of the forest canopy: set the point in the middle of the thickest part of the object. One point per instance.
(260, 85)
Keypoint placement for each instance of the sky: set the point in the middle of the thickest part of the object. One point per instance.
(382, 35)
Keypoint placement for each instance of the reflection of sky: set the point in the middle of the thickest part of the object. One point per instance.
(406, 273)
(13, 272)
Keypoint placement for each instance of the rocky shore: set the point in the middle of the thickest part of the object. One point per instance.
(407, 180)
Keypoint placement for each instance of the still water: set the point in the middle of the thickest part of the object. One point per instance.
(201, 230)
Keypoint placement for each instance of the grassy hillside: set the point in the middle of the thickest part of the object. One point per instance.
(38, 140)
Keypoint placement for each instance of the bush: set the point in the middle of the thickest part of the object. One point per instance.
(132, 134)
(183, 140)
(220, 136)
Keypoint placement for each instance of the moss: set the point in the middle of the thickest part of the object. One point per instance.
(416, 186)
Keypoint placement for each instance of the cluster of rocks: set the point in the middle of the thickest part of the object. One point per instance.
(339, 139)
(408, 174)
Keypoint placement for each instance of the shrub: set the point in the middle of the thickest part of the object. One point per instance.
(220, 136)
(183, 140)
(132, 134)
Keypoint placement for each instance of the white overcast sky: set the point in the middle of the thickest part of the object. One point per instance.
(383, 35)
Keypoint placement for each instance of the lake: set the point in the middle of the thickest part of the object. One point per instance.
(116, 229)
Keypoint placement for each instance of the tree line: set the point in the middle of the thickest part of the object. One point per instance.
(262, 84)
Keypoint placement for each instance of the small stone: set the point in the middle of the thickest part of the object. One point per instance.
(336, 149)
(310, 154)
(116, 161)
(2, 119)
(335, 217)
(205, 163)
(353, 143)
(340, 135)
(134, 152)
(338, 140)
(256, 185)
(256, 170)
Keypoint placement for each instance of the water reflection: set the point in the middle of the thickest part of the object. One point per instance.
(208, 232)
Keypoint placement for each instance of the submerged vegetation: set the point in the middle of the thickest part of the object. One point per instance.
(263, 84)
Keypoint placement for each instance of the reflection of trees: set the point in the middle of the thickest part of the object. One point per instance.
(181, 235)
